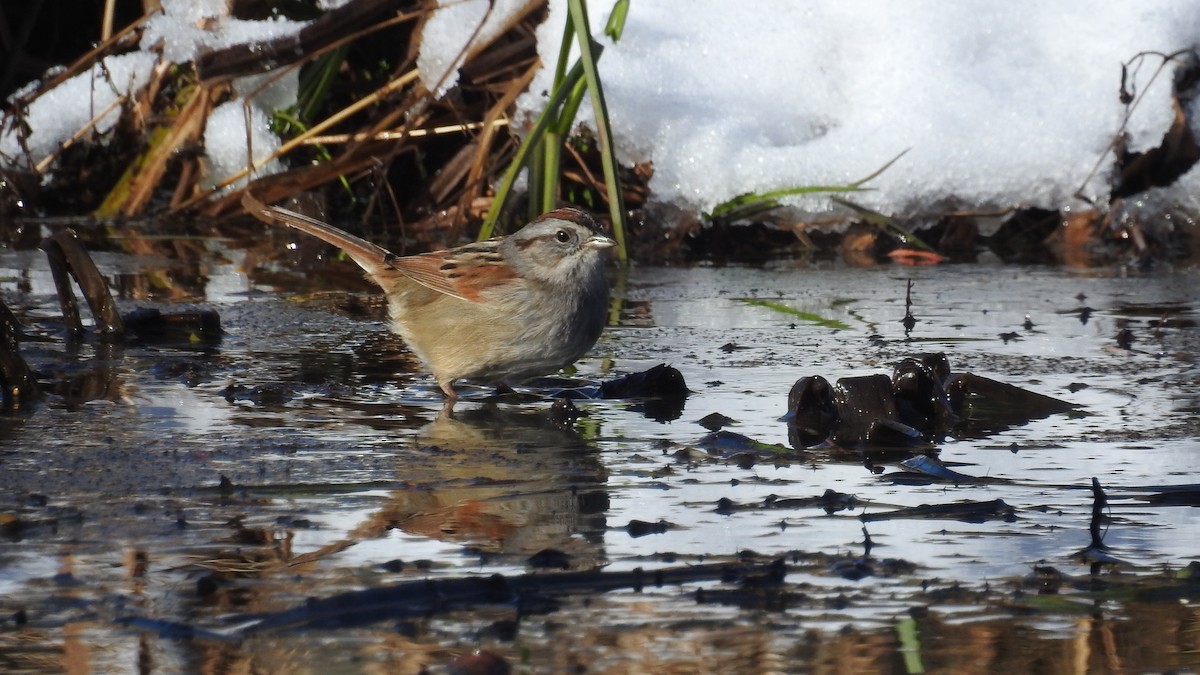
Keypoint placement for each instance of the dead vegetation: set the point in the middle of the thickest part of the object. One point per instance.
(374, 144)
(368, 143)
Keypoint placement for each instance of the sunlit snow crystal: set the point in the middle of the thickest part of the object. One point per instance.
(58, 114)
(225, 143)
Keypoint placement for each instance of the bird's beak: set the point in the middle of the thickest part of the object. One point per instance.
(599, 241)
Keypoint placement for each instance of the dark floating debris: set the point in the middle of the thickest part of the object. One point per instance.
(1174, 495)
(1125, 339)
(563, 412)
(661, 381)
(662, 390)
(715, 421)
(986, 406)
(1046, 579)
(865, 407)
(831, 501)
(965, 511)
(925, 470)
(641, 528)
(812, 416)
(921, 403)
(728, 444)
(1084, 313)
(918, 385)
(262, 394)
(1096, 552)
(550, 558)
(195, 326)
(909, 321)
(528, 593)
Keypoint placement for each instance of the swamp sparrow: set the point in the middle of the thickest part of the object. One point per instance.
(500, 310)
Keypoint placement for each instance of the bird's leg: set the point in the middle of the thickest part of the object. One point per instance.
(447, 387)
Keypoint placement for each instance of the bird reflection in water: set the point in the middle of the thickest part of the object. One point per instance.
(504, 481)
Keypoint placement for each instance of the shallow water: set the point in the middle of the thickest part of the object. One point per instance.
(341, 475)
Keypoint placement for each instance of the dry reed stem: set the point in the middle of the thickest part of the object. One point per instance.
(106, 24)
(401, 134)
(476, 175)
(296, 142)
(188, 125)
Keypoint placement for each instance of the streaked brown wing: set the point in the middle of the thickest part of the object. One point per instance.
(463, 272)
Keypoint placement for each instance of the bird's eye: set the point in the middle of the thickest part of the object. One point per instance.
(562, 236)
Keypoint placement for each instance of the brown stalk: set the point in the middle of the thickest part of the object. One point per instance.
(17, 379)
(381, 140)
(281, 185)
(106, 24)
(467, 166)
(333, 29)
(401, 134)
(186, 127)
(68, 257)
(497, 111)
(588, 177)
(348, 111)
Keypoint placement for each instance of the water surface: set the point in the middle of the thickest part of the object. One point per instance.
(340, 474)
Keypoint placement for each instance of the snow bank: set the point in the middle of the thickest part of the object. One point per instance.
(180, 32)
(56, 116)
(1002, 104)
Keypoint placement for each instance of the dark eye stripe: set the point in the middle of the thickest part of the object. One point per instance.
(526, 243)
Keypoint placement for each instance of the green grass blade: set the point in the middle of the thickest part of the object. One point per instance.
(564, 54)
(553, 143)
(541, 181)
(543, 166)
(799, 314)
(589, 53)
(535, 136)
(317, 80)
(754, 203)
(910, 645)
(886, 225)
(881, 169)
(616, 21)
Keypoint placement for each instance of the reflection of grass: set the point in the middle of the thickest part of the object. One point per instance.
(910, 645)
(792, 311)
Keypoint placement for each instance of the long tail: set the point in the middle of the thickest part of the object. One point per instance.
(370, 257)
